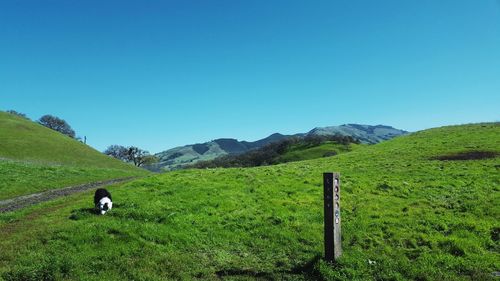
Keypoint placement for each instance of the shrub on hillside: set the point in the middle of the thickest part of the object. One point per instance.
(57, 124)
(17, 114)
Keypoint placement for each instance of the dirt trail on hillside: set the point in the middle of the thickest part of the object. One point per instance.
(20, 202)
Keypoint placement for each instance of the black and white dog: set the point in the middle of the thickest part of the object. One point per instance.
(102, 200)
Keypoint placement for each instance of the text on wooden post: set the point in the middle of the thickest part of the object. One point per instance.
(332, 221)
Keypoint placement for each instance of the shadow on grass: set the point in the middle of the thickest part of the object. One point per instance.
(233, 272)
(79, 214)
(309, 269)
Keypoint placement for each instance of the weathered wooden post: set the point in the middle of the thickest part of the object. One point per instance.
(331, 194)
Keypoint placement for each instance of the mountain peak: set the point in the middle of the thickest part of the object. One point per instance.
(364, 133)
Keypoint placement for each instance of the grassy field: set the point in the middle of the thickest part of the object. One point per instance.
(34, 158)
(19, 178)
(300, 153)
(406, 216)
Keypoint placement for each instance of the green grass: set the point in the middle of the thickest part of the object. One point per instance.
(25, 178)
(413, 217)
(300, 153)
(34, 158)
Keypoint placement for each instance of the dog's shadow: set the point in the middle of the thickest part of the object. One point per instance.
(82, 213)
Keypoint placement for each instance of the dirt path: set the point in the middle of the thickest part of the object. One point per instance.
(32, 199)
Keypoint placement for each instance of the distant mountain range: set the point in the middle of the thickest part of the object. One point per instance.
(179, 157)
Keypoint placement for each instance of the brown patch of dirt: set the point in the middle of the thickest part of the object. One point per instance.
(32, 199)
(468, 155)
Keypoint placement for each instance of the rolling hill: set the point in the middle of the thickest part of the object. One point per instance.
(34, 158)
(418, 207)
(364, 133)
(180, 157)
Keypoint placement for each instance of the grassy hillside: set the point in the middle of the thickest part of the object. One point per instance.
(24, 140)
(287, 150)
(406, 216)
(365, 133)
(299, 153)
(34, 158)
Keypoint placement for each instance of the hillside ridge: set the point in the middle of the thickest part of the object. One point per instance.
(183, 156)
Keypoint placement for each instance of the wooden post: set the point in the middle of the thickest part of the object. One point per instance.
(337, 237)
(331, 196)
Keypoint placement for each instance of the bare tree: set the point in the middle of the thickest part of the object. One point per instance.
(132, 154)
(57, 124)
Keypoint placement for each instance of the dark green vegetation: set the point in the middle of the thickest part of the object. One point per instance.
(287, 150)
(185, 156)
(34, 158)
(405, 217)
(182, 157)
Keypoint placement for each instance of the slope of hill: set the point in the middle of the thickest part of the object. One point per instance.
(364, 133)
(326, 149)
(21, 139)
(181, 157)
(34, 158)
(405, 216)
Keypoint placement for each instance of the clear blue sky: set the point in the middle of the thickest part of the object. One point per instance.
(159, 74)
